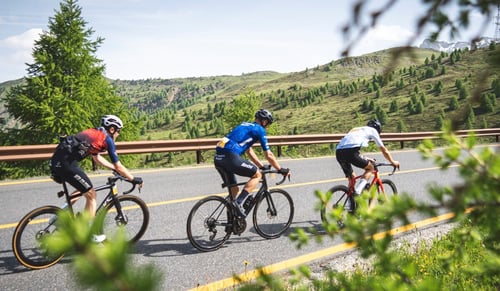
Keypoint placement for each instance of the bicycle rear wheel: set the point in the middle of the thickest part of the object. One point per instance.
(133, 219)
(28, 238)
(209, 223)
(339, 198)
(273, 213)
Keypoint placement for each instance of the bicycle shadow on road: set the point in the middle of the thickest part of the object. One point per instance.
(10, 265)
(309, 226)
(162, 248)
(182, 247)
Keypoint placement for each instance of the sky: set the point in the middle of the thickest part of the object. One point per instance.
(198, 38)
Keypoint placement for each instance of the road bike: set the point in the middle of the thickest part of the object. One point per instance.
(127, 212)
(213, 219)
(343, 196)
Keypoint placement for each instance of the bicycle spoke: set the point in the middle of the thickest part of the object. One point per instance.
(338, 199)
(29, 236)
(133, 218)
(209, 223)
(273, 214)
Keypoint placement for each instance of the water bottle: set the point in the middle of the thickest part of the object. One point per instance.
(248, 203)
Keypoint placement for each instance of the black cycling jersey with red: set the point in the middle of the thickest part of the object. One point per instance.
(64, 163)
(99, 141)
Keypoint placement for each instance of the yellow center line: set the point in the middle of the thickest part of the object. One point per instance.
(309, 257)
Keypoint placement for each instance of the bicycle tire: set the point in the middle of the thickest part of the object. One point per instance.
(273, 213)
(26, 243)
(135, 220)
(208, 219)
(339, 198)
(389, 189)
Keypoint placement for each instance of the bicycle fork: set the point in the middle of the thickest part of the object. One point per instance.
(271, 208)
(120, 217)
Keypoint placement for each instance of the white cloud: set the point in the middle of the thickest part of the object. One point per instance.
(18, 48)
(24, 40)
(382, 37)
(389, 33)
(15, 51)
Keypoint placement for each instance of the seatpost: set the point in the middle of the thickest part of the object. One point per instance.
(66, 194)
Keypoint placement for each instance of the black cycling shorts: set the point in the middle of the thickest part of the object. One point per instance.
(349, 157)
(65, 167)
(230, 164)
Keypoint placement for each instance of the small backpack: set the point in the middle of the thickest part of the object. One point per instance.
(76, 148)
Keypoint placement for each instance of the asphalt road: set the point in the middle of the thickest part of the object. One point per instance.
(170, 194)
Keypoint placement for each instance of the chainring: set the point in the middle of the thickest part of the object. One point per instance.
(239, 225)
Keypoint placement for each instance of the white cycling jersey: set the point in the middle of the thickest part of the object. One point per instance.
(360, 137)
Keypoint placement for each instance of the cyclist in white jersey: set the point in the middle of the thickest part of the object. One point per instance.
(348, 151)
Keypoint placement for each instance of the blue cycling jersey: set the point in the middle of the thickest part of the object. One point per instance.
(243, 137)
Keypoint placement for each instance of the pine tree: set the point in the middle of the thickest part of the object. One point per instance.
(463, 93)
(495, 85)
(394, 106)
(401, 127)
(65, 90)
(453, 104)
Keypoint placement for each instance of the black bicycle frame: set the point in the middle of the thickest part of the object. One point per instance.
(111, 196)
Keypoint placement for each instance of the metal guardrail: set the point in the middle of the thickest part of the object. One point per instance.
(43, 152)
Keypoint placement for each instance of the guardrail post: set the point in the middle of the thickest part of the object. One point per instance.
(279, 150)
(198, 157)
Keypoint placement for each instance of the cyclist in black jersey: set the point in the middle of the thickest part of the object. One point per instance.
(93, 141)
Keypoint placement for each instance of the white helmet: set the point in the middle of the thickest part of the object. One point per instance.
(111, 120)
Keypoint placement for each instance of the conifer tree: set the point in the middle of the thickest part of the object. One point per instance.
(242, 109)
(65, 90)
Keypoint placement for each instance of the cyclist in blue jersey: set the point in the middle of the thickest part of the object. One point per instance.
(74, 148)
(348, 154)
(229, 162)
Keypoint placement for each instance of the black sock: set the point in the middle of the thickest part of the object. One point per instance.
(241, 197)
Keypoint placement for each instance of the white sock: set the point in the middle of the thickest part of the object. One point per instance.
(361, 186)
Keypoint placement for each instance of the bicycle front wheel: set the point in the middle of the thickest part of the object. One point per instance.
(339, 198)
(273, 213)
(387, 190)
(133, 218)
(28, 238)
(209, 223)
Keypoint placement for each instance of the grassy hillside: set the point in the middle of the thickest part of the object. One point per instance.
(413, 95)
(333, 97)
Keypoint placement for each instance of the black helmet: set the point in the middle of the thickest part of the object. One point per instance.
(263, 114)
(375, 124)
